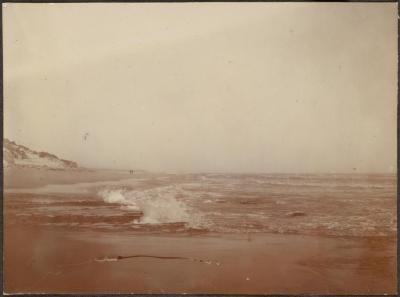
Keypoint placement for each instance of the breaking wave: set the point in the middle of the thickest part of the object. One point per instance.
(157, 205)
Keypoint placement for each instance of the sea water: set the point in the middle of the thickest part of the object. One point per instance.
(323, 204)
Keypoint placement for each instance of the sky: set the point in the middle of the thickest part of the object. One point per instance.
(196, 87)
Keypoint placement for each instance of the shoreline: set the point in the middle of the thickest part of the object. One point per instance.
(25, 177)
(31, 177)
(71, 254)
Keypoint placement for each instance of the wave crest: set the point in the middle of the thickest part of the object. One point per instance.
(158, 205)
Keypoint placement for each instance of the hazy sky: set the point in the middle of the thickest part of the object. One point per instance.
(244, 87)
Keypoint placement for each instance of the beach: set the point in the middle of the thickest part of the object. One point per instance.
(48, 251)
(242, 148)
(48, 261)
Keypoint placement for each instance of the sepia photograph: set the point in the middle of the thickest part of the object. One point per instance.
(200, 148)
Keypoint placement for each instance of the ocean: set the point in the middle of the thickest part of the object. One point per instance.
(311, 204)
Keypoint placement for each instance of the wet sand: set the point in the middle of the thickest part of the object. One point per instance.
(45, 260)
(19, 177)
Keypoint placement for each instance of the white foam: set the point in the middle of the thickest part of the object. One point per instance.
(158, 205)
(106, 259)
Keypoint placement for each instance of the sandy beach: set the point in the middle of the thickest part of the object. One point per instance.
(50, 261)
(19, 178)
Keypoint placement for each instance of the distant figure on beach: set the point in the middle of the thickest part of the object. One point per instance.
(130, 171)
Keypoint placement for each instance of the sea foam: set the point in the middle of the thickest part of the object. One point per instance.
(159, 205)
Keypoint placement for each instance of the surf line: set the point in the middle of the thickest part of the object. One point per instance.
(119, 258)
